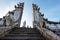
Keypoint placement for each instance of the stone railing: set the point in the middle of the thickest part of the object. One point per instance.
(4, 30)
(48, 34)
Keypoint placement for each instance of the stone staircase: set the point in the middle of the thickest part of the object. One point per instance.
(23, 34)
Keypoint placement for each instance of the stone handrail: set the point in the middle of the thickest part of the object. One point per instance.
(48, 34)
(4, 30)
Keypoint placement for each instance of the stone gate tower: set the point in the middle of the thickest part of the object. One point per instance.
(16, 14)
(37, 16)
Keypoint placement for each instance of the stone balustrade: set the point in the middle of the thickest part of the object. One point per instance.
(49, 35)
(5, 30)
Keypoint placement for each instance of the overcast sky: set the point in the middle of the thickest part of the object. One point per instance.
(50, 9)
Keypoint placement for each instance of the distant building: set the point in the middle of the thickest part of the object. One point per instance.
(24, 24)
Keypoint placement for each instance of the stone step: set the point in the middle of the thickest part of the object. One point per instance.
(25, 29)
(21, 38)
(23, 35)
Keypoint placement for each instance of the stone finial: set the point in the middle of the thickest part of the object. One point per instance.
(11, 13)
(35, 7)
(42, 14)
(20, 5)
(15, 6)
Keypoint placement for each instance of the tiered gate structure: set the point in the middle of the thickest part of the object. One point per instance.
(10, 26)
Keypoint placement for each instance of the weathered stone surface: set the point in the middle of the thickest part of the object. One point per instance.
(4, 30)
(48, 34)
(23, 34)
